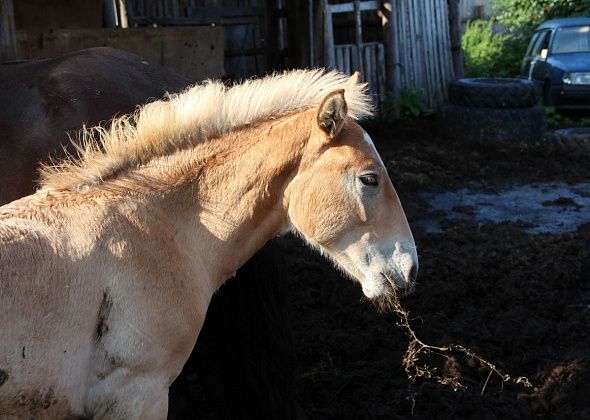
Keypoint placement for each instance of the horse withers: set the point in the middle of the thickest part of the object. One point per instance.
(160, 210)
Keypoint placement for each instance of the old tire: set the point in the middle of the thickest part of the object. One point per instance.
(489, 92)
(518, 125)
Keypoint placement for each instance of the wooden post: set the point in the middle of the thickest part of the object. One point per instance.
(329, 54)
(122, 9)
(318, 39)
(7, 31)
(358, 30)
(391, 46)
(455, 30)
(310, 29)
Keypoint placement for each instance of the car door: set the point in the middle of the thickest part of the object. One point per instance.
(540, 68)
(527, 63)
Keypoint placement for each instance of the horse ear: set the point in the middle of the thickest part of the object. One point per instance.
(354, 79)
(332, 113)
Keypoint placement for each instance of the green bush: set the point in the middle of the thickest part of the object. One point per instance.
(488, 54)
(525, 15)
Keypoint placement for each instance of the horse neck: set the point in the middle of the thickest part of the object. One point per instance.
(239, 190)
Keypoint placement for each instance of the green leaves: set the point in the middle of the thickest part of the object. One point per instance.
(500, 54)
(490, 54)
(525, 15)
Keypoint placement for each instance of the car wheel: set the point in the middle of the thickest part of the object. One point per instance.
(493, 92)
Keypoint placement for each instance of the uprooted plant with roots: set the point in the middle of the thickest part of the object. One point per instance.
(416, 357)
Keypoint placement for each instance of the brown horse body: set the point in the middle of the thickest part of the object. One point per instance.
(40, 102)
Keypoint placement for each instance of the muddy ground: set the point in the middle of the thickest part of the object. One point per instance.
(519, 300)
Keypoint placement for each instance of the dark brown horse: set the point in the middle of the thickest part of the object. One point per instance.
(245, 374)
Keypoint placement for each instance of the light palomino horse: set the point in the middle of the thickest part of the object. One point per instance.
(99, 302)
(42, 100)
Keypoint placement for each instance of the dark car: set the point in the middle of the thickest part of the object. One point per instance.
(558, 58)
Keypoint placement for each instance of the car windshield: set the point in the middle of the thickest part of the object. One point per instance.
(571, 40)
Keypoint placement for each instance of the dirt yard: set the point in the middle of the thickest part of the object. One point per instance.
(520, 300)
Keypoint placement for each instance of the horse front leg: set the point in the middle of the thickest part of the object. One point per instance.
(124, 394)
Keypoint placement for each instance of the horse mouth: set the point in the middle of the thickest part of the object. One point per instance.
(397, 289)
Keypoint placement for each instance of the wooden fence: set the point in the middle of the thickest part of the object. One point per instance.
(366, 57)
(416, 53)
(422, 52)
(372, 65)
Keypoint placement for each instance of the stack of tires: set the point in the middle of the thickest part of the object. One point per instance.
(493, 109)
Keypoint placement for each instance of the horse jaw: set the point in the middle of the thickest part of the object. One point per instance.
(383, 270)
(378, 267)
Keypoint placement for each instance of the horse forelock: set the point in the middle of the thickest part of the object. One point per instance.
(205, 111)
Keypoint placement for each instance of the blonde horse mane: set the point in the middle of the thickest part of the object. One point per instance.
(205, 111)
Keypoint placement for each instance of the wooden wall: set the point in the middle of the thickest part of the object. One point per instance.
(423, 57)
(36, 16)
(406, 46)
(249, 25)
(181, 8)
(47, 28)
(195, 52)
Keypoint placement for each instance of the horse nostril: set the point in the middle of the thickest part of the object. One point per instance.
(414, 272)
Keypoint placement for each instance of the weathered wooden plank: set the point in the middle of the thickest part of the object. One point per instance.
(428, 48)
(347, 61)
(175, 9)
(419, 52)
(400, 6)
(358, 30)
(367, 68)
(395, 44)
(455, 33)
(382, 77)
(449, 53)
(8, 47)
(329, 58)
(338, 52)
(407, 45)
(389, 42)
(310, 24)
(375, 71)
(415, 45)
(349, 7)
(433, 54)
(440, 48)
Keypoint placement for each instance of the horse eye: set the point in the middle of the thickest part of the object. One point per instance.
(369, 180)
